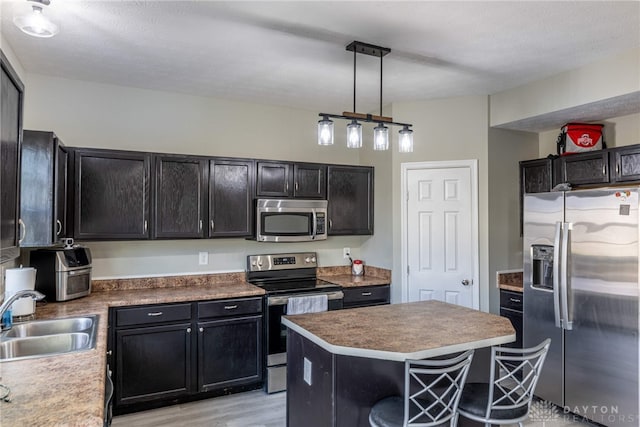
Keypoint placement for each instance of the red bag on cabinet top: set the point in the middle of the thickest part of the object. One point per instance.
(579, 138)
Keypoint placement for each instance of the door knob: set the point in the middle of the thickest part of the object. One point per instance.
(466, 282)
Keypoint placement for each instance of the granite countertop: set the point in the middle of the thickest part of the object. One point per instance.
(342, 276)
(398, 332)
(68, 390)
(510, 280)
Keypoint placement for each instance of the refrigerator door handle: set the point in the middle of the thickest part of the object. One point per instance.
(556, 275)
(564, 278)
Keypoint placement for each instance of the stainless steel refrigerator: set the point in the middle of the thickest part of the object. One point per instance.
(581, 290)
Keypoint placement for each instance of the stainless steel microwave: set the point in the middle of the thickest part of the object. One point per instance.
(291, 220)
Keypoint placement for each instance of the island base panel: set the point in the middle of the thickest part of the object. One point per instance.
(344, 388)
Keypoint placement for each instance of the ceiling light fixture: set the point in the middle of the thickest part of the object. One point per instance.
(35, 23)
(354, 129)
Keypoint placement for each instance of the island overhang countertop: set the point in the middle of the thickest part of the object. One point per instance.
(397, 332)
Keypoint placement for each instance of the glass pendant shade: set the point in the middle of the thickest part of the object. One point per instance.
(405, 143)
(36, 24)
(381, 138)
(354, 135)
(325, 131)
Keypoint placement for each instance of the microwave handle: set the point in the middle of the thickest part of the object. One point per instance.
(315, 224)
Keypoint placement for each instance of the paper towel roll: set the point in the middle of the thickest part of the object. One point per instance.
(19, 279)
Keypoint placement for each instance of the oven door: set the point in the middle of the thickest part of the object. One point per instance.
(276, 336)
(277, 332)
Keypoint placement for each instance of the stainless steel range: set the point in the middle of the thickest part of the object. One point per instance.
(284, 276)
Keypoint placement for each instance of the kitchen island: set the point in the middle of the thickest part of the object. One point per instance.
(341, 362)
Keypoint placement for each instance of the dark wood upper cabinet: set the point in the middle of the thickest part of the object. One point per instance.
(180, 202)
(536, 176)
(583, 168)
(43, 200)
(310, 181)
(300, 180)
(11, 105)
(231, 197)
(111, 194)
(350, 200)
(274, 179)
(625, 163)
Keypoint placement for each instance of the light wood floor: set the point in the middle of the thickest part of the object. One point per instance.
(251, 409)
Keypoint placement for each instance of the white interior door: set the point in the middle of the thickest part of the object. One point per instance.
(441, 232)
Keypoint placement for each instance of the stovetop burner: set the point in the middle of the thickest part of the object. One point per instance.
(286, 273)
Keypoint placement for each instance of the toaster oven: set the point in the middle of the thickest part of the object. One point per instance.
(62, 273)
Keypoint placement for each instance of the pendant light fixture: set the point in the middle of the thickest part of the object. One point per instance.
(354, 129)
(35, 23)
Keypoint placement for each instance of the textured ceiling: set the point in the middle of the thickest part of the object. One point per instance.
(293, 53)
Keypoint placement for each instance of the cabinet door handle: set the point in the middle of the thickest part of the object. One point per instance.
(286, 187)
(59, 227)
(154, 313)
(230, 307)
(514, 300)
(213, 225)
(366, 294)
(297, 186)
(188, 330)
(330, 224)
(145, 225)
(617, 169)
(201, 329)
(23, 230)
(604, 169)
(200, 225)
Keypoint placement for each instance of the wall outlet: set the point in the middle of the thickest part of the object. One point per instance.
(306, 376)
(203, 258)
(346, 252)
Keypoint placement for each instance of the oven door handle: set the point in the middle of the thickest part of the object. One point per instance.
(283, 300)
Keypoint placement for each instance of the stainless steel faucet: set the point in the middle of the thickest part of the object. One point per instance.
(20, 294)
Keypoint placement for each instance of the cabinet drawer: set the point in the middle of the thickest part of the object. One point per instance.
(511, 300)
(153, 314)
(370, 295)
(229, 307)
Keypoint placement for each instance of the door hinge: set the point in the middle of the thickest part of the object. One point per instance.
(407, 196)
(407, 269)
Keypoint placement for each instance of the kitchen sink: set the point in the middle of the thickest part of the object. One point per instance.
(48, 338)
(50, 327)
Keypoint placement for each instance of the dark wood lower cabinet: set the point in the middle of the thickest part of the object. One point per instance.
(166, 354)
(152, 363)
(366, 296)
(229, 352)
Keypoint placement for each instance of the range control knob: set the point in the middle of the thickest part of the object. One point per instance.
(307, 260)
(313, 259)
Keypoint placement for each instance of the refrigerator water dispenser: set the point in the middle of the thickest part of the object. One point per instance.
(542, 259)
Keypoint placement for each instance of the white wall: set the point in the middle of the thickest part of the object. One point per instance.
(106, 116)
(609, 78)
(445, 129)
(506, 149)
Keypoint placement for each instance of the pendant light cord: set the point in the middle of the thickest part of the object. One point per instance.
(380, 84)
(354, 80)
